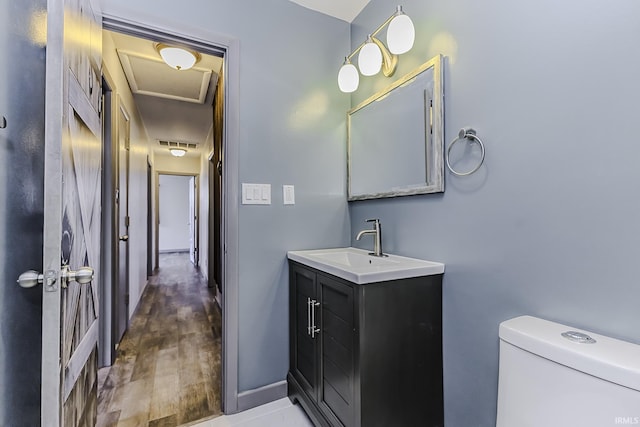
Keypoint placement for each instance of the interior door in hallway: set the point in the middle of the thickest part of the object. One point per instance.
(122, 207)
(216, 226)
(72, 214)
(193, 221)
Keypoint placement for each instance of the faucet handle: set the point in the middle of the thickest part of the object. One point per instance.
(373, 220)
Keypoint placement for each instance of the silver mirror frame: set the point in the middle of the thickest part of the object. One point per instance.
(434, 149)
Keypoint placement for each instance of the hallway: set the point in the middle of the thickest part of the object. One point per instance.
(167, 371)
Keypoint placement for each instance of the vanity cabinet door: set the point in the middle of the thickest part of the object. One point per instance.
(337, 358)
(305, 347)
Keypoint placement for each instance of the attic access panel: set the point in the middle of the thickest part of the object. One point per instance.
(151, 76)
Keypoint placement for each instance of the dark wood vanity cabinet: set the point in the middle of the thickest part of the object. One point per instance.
(366, 355)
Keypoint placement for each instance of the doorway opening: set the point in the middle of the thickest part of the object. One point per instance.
(177, 217)
(226, 226)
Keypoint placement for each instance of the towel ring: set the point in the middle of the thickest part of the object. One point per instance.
(465, 133)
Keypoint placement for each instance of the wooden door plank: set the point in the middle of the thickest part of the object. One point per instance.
(79, 358)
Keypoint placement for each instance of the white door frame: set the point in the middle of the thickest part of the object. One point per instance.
(206, 40)
(195, 207)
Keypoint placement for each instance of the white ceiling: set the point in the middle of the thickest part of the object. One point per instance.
(174, 105)
(346, 10)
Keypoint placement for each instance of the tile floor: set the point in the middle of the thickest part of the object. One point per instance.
(280, 413)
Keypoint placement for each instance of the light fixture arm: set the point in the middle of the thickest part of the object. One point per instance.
(389, 60)
(373, 35)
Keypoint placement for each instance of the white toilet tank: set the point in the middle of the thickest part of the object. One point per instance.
(549, 380)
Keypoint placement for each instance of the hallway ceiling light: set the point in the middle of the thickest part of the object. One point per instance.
(177, 58)
(374, 55)
(178, 152)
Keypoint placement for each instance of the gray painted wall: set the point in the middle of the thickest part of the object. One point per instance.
(22, 174)
(139, 143)
(549, 225)
(292, 131)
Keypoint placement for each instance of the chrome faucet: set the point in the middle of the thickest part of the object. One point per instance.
(377, 231)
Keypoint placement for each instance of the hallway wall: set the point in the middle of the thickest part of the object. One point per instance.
(22, 209)
(292, 131)
(166, 163)
(137, 178)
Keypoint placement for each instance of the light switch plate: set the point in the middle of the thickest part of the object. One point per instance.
(288, 195)
(256, 194)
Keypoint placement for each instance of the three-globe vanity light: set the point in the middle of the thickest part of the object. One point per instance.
(374, 55)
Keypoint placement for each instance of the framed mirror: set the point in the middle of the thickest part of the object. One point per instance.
(395, 138)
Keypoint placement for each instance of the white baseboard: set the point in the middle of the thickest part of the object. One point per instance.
(259, 396)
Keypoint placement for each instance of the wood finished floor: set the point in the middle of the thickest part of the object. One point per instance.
(167, 369)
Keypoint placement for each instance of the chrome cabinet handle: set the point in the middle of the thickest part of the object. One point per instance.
(314, 328)
(308, 316)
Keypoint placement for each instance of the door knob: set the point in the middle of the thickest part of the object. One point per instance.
(83, 275)
(124, 238)
(31, 278)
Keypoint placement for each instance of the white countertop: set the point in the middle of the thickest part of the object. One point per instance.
(358, 266)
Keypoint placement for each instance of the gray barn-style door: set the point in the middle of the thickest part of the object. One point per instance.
(72, 215)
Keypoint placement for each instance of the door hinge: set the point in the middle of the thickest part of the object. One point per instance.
(126, 221)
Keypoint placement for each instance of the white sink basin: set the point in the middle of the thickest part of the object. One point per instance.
(357, 266)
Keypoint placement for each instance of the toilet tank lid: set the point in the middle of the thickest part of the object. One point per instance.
(608, 358)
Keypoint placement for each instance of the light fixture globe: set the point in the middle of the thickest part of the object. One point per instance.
(348, 77)
(370, 58)
(176, 57)
(401, 33)
(178, 152)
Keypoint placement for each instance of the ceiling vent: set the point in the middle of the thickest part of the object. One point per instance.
(177, 144)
